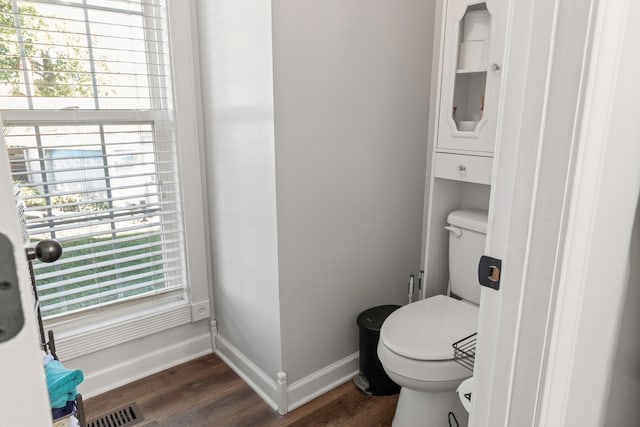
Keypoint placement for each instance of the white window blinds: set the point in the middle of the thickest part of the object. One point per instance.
(84, 86)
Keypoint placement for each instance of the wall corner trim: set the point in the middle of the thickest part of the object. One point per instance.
(277, 393)
(282, 393)
(213, 326)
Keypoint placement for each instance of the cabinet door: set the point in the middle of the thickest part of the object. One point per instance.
(471, 74)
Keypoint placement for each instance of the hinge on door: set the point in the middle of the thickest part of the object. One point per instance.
(11, 315)
(489, 272)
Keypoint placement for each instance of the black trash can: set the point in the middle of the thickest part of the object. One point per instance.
(372, 378)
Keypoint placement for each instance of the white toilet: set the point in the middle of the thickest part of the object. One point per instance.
(415, 345)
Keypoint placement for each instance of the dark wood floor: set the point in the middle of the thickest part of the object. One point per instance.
(206, 392)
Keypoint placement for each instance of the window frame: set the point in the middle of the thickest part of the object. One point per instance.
(91, 330)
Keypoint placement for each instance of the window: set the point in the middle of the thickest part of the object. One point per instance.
(88, 123)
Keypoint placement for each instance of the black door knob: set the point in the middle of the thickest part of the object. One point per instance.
(48, 250)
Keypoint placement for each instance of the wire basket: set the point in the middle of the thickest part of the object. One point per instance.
(464, 351)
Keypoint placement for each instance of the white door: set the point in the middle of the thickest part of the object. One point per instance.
(595, 270)
(23, 394)
(564, 195)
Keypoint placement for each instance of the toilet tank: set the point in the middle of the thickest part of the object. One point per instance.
(467, 236)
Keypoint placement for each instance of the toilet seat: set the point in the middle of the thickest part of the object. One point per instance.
(425, 330)
(411, 372)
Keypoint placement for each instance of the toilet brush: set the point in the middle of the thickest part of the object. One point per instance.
(411, 280)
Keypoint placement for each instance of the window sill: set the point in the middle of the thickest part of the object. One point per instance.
(86, 333)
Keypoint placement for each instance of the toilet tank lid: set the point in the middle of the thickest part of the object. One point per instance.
(469, 219)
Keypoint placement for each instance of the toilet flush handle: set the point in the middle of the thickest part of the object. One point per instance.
(456, 231)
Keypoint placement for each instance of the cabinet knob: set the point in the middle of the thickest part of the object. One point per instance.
(495, 67)
(462, 168)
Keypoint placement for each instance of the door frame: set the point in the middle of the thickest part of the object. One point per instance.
(563, 136)
(585, 324)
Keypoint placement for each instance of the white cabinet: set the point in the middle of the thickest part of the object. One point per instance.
(470, 54)
(470, 74)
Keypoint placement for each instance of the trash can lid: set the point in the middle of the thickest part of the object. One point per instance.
(373, 318)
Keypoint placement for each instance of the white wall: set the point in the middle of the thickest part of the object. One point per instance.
(235, 57)
(623, 409)
(351, 84)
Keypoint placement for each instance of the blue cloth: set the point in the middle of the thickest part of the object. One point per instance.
(61, 383)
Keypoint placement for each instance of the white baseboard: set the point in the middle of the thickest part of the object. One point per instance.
(145, 364)
(255, 377)
(276, 393)
(320, 382)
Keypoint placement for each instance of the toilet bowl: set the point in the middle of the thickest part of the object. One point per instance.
(415, 346)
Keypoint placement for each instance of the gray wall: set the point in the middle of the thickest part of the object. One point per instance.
(351, 85)
(236, 70)
(623, 409)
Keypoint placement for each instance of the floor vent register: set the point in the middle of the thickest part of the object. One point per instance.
(122, 417)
